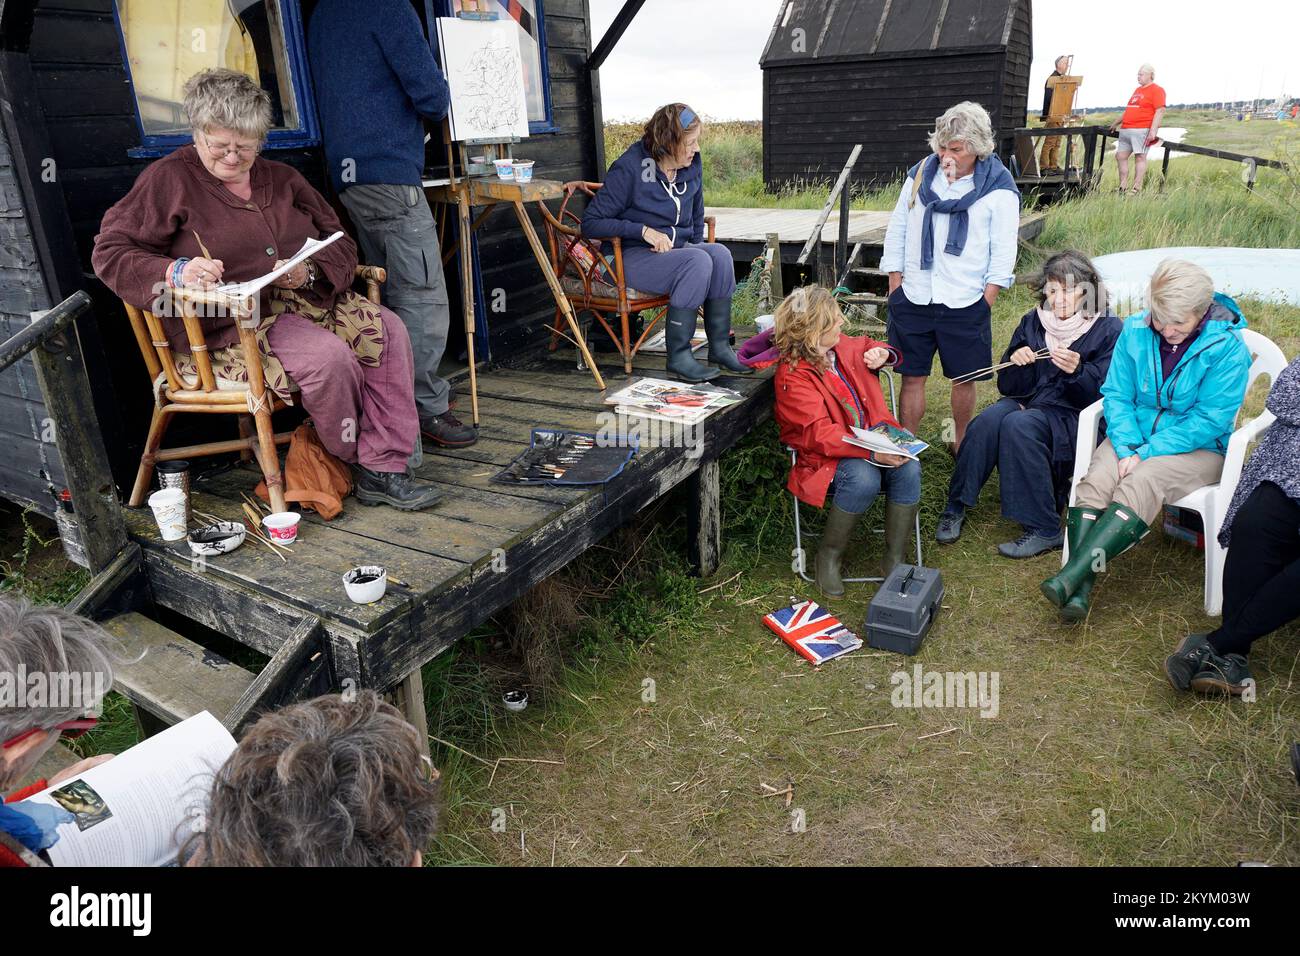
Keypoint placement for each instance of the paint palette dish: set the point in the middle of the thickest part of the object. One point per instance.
(220, 538)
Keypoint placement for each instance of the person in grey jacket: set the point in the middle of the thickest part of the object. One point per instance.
(1261, 576)
(653, 201)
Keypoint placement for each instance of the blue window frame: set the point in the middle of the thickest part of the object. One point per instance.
(164, 44)
(530, 19)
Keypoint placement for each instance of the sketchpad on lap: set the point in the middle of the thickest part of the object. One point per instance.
(597, 465)
(1270, 274)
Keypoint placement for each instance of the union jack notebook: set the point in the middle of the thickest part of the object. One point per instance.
(812, 631)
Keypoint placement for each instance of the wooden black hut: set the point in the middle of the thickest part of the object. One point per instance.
(78, 127)
(878, 72)
(86, 99)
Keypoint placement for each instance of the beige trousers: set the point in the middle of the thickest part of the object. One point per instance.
(1149, 486)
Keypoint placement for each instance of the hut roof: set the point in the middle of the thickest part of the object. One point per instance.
(863, 29)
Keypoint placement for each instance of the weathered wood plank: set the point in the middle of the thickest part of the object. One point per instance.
(704, 519)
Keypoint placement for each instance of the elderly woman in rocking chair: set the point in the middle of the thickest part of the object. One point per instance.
(350, 359)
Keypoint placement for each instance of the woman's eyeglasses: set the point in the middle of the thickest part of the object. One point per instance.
(221, 150)
(69, 729)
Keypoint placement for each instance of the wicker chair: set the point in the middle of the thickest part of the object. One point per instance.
(209, 394)
(594, 283)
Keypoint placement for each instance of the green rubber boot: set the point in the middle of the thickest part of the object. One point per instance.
(717, 326)
(830, 552)
(900, 523)
(679, 329)
(1078, 525)
(1112, 534)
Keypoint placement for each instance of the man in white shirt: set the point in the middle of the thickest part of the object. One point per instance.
(949, 250)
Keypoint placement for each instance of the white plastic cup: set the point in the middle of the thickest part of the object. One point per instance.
(523, 170)
(505, 168)
(765, 322)
(168, 506)
(282, 527)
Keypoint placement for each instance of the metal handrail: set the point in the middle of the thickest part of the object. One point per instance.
(43, 329)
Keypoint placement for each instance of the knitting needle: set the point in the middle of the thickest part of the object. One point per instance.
(962, 379)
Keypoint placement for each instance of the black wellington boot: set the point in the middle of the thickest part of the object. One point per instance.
(717, 325)
(679, 329)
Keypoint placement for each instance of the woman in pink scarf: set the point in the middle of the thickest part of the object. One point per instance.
(1029, 433)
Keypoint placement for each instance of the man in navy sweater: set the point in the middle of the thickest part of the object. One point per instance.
(376, 81)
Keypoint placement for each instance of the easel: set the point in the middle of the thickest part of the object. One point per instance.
(1061, 111)
(478, 185)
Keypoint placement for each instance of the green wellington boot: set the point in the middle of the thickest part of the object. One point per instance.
(679, 329)
(1078, 525)
(900, 523)
(830, 552)
(1112, 534)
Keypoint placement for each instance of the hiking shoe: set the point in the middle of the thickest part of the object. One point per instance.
(1031, 544)
(949, 529)
(394, 488)
(448, 431)
(1181, 666)
(1222, 675)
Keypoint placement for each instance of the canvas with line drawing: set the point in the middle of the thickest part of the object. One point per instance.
(486, 79)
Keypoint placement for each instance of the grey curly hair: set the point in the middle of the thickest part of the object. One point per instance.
(328, 782)
(73, 658)
(227, 99)
(968, 122)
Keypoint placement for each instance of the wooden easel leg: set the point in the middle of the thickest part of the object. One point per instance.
(467, 299)
(704, 519)
(557, 292)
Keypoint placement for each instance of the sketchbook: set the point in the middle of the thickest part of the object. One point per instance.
(242, 290)
(812, 632)
(671, 401)
(887, 439)
(485, 78)
(137, 809)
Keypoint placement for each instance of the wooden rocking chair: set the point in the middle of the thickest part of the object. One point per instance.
(594, 283)
(205, 393)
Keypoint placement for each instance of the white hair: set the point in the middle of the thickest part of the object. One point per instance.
(1147, 68)
(227, 99)
(968, 122)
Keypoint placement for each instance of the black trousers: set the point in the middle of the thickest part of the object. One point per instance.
(1261, 578)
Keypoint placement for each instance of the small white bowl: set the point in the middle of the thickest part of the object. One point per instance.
(366, 592)
(232, 536)
(515, 700)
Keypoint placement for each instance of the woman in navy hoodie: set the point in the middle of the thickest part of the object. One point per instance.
(653, 200)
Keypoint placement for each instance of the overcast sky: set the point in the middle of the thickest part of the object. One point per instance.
(705, 52)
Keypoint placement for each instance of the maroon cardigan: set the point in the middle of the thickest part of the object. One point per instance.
(173, 198)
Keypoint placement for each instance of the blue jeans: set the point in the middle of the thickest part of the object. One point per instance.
(1018, 442)
(857, 482)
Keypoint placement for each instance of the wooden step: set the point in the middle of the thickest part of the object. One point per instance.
(174, 678)
(865, 298)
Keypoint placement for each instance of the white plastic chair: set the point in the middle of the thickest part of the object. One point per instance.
(1210, 502)
(801, 565)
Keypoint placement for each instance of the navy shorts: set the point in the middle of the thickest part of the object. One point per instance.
(963, 337)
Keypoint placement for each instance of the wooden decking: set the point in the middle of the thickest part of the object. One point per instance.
(745, 231)
(453, 565)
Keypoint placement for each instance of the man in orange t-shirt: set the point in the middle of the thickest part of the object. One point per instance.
(1138, 127)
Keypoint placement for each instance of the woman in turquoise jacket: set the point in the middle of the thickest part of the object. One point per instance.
(1176, 381)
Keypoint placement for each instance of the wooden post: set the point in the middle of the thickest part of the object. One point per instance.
(408, 697)
(704, 519)
(778, 283)
(62, 377)
(1164, 167)
(842, 240)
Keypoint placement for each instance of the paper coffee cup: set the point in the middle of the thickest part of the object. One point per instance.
(168, 507)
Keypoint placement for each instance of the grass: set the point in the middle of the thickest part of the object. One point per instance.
(670, 706)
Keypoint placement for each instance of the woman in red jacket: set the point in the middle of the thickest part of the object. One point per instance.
(825, 383)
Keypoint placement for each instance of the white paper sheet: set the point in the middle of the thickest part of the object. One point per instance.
(136, 809)
(253, 286)
(481, 61)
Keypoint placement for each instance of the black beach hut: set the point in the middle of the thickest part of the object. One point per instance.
(878, 72)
